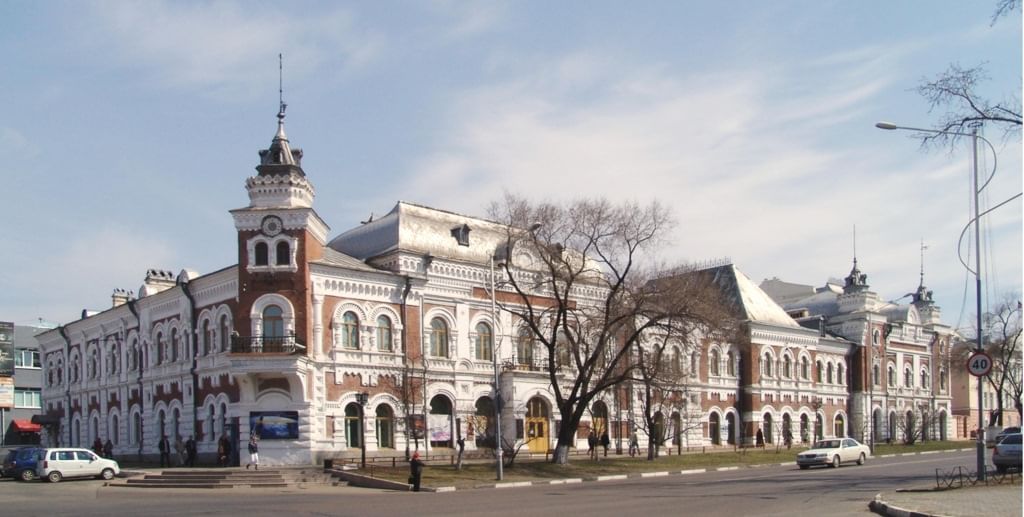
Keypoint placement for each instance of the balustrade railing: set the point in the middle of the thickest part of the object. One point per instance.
(266, 345)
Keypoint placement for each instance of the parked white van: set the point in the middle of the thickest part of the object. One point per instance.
(59, 463)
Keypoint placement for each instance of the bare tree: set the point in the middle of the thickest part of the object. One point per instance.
(1003, 330)
(579, 290)
(406, 385)
(955, 93)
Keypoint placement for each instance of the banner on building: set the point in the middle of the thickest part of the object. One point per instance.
(417, 426)
(6, 393)
(6, 349)
(440, 427)
(274, 425)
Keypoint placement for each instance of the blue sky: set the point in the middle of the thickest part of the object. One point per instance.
(129, 129)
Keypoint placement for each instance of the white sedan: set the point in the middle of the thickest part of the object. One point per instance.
(834, 453)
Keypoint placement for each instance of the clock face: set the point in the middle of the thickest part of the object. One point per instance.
(271, 225)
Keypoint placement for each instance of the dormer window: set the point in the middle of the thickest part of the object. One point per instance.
(261, 254)
(461, 234)
(283, 255)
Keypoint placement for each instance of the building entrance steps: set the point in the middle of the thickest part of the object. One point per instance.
(230, 478)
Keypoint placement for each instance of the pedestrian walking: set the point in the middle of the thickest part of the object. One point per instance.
(108, 449)
(223, 450)
(179, 449)
(787, 436)
(97, 446)
(634, 445)
(254, 453)
(760, 438)
(461, 443)
(415, 471)
(592, 445)
(165, 451)
(190, 451)
(605, 442)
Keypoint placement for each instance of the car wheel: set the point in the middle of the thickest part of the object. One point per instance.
(804, 467)
(54, 477)
(107, 474)
(27, 475)
(860, 460)
(835, 461)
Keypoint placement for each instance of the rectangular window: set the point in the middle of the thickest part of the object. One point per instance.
(27, 398)
(26, 358)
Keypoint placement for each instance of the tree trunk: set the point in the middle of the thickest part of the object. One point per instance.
(561, 454)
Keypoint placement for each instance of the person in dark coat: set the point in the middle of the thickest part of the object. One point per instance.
(223, 450)
(592, 445)
(760, 438)
(108, 449)
(165, 451)
(415, 471)
(190, 451)
(605, 442)
(97, 446)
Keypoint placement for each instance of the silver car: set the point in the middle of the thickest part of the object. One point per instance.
(834, 452)
(1007, 454)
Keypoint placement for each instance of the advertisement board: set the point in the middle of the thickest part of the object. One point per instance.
(6, 349)
(6, 392)
(274, 425)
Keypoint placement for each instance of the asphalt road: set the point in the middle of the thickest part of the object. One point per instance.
(764, 491)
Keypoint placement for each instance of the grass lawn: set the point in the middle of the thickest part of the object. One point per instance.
(536, 469)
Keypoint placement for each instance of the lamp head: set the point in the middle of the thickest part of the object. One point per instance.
(886, 125)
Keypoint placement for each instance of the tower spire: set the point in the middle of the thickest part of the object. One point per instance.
(280, 97)
(856, 281)
(923, 247)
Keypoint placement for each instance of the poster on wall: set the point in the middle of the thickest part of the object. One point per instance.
(440, 428)
(6, 349)
(274, 425)
(6, 393)
(417, 427)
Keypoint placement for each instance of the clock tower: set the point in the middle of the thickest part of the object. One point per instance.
(279, 233)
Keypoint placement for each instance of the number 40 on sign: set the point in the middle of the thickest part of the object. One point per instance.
(979, 364)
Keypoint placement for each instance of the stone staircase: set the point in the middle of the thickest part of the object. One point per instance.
(232, 478)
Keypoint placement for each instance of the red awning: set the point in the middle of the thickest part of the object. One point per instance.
(26, 426)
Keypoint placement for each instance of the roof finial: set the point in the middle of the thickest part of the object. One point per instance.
(923, 247)
(280, 87)
(855, 245)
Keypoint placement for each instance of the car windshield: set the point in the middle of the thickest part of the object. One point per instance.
(1011, 439)
(828, 444)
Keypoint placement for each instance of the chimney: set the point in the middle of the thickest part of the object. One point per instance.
(121, 297)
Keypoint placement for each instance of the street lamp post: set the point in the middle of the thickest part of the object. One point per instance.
(497, 385)
(977, 269)
(362, 399)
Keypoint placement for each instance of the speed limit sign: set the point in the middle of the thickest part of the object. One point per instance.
(979, 364)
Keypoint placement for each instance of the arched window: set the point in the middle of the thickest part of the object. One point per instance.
(908, 378)
(159, 348)
(924, 379)
(804, 369)
(942, 380)
(224, 331)
(694, 361)
(787, 367)
(767, 364)
(677, 361)
(713, 360)
(484, 341)
(173, 355)
(524, 347)
(840, 375)
(438, 338)
(353, 425)
(384, 342)
(563, 349)
(891, 376)
(819, 371)
(874, 375)
(282, 255)
(261, 254)
(206, 332)
(273, 322)
(730, 364)
(829, 373)
(385, 427)
(350, 331)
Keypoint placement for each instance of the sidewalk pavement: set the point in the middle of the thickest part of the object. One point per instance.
(993, 500)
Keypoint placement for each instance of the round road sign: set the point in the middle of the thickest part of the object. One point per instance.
(979, 364)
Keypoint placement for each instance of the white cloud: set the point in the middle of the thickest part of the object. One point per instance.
(228, 49)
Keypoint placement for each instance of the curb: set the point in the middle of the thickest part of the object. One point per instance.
(881, 507)
(641, 475)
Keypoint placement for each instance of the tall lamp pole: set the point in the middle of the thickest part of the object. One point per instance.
(497, 385)
(977, 269)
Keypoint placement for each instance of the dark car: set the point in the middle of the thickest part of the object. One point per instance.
(21, 463)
